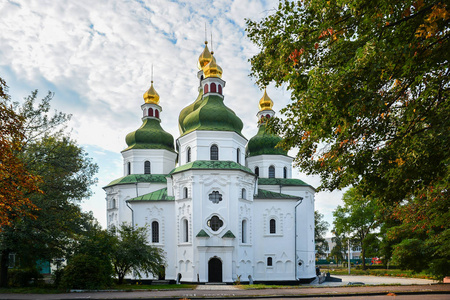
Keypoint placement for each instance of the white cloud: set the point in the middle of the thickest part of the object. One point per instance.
(97, 56)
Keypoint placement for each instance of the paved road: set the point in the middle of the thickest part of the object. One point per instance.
(324, 291)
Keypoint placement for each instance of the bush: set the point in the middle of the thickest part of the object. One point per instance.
(87, 272)
(23, 277)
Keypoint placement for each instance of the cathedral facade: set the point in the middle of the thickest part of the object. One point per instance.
(221, 207)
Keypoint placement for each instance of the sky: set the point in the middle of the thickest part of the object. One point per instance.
(97, 57)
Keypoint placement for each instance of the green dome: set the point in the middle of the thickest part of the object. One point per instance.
(188, 109)
(209, 113)
(150, 136)
(264, 143)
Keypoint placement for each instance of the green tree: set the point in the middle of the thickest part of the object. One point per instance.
(370, 87)
(89, 265)
(66, 176)
(339, 249)
(356, 219)
(15, 180)
(131, 253)
(320, 229)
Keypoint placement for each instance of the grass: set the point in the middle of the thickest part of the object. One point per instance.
(31, 290)
(124, 287)
(154, 287)
(378, 272)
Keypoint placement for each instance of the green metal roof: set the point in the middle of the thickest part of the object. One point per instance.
(150, 136)
(211, 164)
(282, 181)
(135, 178)
(202, 233)
(159, 195)
(210, 113)
(229, 235)
(188, 109)
(264, 142)
(264, 194)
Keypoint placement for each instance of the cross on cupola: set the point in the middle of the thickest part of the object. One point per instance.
(151, 109)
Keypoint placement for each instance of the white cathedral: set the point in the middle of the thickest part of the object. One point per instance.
(221, 207)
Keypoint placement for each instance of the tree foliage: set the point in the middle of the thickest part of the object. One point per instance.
(89, 266)
(320, 229)
(356, 219)
(16, 182)
(131, 253)
(370, 87)
(66, 175)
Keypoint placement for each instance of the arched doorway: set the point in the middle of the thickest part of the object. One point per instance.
(162, 273)
(215, 270)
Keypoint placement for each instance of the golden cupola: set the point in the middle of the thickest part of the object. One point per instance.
(265, 103)
(212, 69)
(151, 96)
(205, 57)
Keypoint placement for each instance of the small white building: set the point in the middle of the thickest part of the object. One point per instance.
(220, 206)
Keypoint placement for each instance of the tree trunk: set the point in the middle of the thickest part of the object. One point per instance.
(363, 255)
(4, 268)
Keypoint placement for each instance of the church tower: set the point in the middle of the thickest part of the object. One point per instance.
(149, 157)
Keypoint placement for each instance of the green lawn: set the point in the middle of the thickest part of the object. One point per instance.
(377, 272)
(124, 287)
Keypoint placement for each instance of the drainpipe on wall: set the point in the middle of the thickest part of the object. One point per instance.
(295, 237)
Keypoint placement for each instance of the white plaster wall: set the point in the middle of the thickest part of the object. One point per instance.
(163, 212)
(280, 246)
(199, 209)
(265, 161)
(200, 142)
(161, 161)
(122, 193)
(305, 227)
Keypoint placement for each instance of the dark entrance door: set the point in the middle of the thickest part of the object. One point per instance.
(162, 273)
(214, 270)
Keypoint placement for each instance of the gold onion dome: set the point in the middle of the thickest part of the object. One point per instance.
(151, 96)
(265, 103)
(205, 57)
(212, 69)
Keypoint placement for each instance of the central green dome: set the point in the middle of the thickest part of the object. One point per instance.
(264, 142)
(150, 136)
(209, 113)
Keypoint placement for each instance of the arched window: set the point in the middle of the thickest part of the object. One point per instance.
(156, 113)
(220, 89)
(188, 154)
(185, 231)
(155, 232)
(206, 89)
(185, 192)
(128, 168)
(271, 172)
(273, 226)
(213, 88)
(238, 156)
(243, 194)
(150, 112)
(214, 152)
(147, 167)
(268, 116)
(285, 172)
(244, 231)
(269, 261)
(257, 171)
